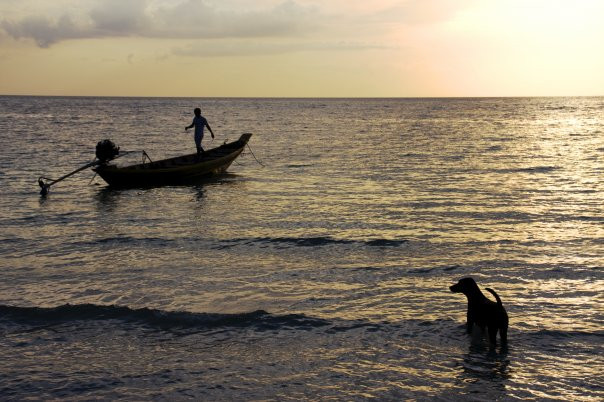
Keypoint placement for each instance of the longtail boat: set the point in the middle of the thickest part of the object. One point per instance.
(177, 170)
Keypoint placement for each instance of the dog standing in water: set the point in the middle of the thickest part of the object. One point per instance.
(482, 311)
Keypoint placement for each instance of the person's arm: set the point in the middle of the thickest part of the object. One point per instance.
(209, 128)
(191, 126)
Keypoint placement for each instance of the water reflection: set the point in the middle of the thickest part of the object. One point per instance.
(42, 200)
(200, 192)
(200, 188)
(485, 369)
(107, 198)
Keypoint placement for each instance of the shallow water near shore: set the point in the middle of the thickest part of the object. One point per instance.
(323, 274)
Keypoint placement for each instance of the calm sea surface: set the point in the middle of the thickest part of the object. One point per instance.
(321, 275)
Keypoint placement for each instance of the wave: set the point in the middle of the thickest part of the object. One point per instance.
(385, 243)
(494, 148)
(565, 107)
(534, 169)
(102, 243)
(310, 242)
(429, 270)
(494, 217)
(168, 243)
(166, 320)
(107, 316)
(129, 240)
(299, 165)
(568, 334)
(111, 315)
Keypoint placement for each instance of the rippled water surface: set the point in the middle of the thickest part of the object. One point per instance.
(323, 274)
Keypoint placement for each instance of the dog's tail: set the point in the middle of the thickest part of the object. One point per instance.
(494, 294)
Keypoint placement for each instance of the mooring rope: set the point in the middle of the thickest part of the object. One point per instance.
(252, 152)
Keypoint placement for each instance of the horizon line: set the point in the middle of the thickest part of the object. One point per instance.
(301, 97)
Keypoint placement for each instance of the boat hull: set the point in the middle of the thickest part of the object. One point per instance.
(179, 170)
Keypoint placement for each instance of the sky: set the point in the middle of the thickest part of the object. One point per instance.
(302, 48)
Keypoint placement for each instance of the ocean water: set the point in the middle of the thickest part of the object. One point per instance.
(320, 274)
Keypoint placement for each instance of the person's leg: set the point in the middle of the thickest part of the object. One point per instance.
(198, 138)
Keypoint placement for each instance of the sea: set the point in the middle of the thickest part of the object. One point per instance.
(318, 267)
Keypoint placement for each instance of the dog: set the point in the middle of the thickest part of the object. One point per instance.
(482, 311)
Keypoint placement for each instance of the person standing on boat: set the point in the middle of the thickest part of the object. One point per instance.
(199, 122)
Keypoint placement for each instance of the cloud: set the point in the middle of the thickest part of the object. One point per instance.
(195, 19)
(221, 28)
(419, 12)
(190, 19)
(118, 17)
(254, 48)
(44, 31)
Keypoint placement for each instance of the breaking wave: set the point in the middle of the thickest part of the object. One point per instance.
(310, 242)
(259, 319)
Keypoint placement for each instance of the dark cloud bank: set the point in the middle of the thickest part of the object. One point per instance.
(190, 19)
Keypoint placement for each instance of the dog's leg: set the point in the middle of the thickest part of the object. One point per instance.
(503, 334)
(492, 334)
(469, 323)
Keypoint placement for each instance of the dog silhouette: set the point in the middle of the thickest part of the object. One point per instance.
(483, 312)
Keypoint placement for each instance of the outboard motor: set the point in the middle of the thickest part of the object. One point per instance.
(106, 150)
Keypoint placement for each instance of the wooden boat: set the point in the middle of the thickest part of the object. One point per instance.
(177, 170)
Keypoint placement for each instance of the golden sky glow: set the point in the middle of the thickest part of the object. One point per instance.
(328, 48)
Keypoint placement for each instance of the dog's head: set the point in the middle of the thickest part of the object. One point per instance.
(465, 286)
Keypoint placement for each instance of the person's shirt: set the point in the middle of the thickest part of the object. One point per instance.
(199, 122)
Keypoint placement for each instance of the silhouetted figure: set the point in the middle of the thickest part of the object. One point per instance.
(199, 122)
(482, 311)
